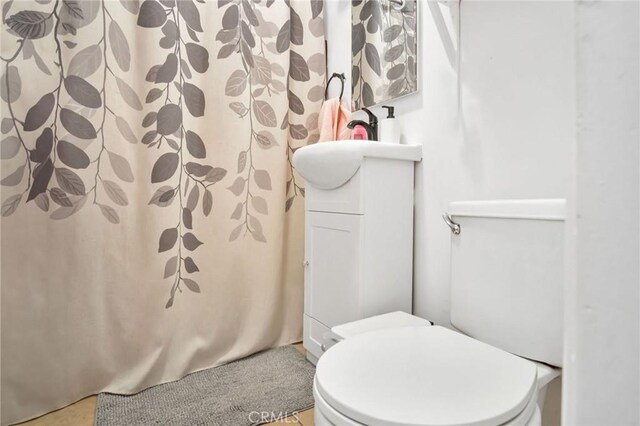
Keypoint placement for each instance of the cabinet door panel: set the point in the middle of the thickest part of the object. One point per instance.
(332, 275)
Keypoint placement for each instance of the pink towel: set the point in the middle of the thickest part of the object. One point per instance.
(333, 120)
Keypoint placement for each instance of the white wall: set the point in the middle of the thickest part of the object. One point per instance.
(602, 343)
(501, 128)
(547, 92)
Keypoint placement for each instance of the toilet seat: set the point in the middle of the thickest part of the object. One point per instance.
(423, 376)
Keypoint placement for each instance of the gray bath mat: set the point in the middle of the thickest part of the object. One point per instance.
(260, 387)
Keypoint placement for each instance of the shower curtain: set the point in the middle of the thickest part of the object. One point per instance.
(151, 218)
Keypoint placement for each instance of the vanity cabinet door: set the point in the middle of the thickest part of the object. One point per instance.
(332, 267)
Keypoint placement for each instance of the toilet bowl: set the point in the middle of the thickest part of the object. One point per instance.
(506, 301)
(426, 375)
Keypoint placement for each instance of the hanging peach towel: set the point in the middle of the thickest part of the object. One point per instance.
(332, 121)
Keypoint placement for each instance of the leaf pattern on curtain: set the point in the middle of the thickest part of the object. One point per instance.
(246, 34)
(58, 168)
(88, 64)
(180, 167)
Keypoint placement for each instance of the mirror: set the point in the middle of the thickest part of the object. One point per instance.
(384, 50)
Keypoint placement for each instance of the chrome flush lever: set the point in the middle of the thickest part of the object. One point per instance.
(455, 228)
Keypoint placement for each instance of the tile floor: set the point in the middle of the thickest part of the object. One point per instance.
(82, 412)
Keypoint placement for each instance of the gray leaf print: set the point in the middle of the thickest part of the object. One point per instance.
(168, 239)
(6, 126)
(82, 92)
(77, 125)
(358, 37)
(259, 204)
(11, 78)
(65, 212)
(198, 170)
(110, 213)
(284, 37)
(125, 130)
(151, 14)
(14, 178)
(192, 200)
(298, 131)
(169, 119)
(266, 139)
(261, 73)
(9, 147)
(42, 201)
(170, 31)
(167, 71)
(71, 155)
(262, 178)
(38, 114)
(395, 71)
(128, 94)
(77, 14)
(171, 267)
(163, 196)
(391, 33)
(165, 167)
(242, 161)
(297, 30)
(86, 62)
(393, 53)
(119, 46)
(115, 192)
(190, 14)
(207, 202)
(230, 18)
(373, 58)
(190, 265)
(236, 84)
(237, 187)
(69, 181)
(249, 12)
(10, 205)
(299, 69)
(194, 99)
(215, 175)
(187, 218)
(316, 8)
(131, 5)
(237, 212)
(59, 197)
(44, 144)
(265, 113)
(190, 241)
(198, 57)
(239, 108)
(195, 146)
(295, 104)
(191, 285)
(41, 177)
(236, 232)
(30, 24)
(120, 167)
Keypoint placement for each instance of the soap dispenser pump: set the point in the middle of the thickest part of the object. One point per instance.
(387, 128)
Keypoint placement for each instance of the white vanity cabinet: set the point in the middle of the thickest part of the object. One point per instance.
(358, 233)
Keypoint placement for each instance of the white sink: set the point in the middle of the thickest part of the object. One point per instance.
(328, 165)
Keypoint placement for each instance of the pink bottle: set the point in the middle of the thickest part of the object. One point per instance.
(359, 133)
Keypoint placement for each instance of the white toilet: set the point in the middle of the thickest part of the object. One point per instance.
(506, 297)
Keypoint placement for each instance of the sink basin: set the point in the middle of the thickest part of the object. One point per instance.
(328, 165)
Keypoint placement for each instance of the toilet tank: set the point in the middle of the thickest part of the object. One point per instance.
(507, 275)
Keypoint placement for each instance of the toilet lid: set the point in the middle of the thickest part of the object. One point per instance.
(424, 376)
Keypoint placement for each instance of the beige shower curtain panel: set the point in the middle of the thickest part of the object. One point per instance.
(151, 219)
